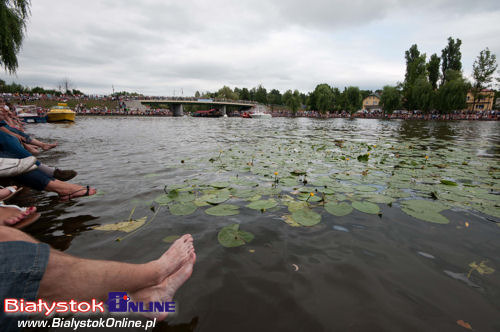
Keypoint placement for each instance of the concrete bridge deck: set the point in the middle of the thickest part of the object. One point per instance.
(176, 103)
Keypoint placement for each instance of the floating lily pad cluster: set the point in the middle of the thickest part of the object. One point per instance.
(423, 177)
(305, 179)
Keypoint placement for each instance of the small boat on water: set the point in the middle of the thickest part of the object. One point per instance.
(260, 115)
(61, 113)
(30, 114)
(212, 113)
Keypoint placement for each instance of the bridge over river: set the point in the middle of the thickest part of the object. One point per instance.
(176, 104)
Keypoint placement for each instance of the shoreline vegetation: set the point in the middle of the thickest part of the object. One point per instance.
(433, 89)
(116, 106)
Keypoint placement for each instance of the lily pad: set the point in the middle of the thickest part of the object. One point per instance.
(123, 226)
(220, 185)
(289, 220)
(230, 236)
(338, 209)
(309, 198)
(218, 197)
(223, 210)
(448, 182)
(306, 217)
(381, 199)
(366, 207)
(295, 206)
(262, 204)
(170, 238)
(163, 199)
(182, 209)
(365, 188)
(425, 210)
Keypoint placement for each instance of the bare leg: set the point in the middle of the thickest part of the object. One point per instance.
(165, 291)
(44, 146)
(67, 277)
(31, 149)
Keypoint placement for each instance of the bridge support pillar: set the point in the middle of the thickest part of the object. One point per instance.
(178, 109)
(223, 110)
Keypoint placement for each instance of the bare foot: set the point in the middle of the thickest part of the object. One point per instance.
(31, 149)
(48, 146)
(74, 191)
(165, 290)
(10, 216)
(6, 192)
(176, 256)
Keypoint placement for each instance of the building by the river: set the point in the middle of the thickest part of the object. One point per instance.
(484, 101)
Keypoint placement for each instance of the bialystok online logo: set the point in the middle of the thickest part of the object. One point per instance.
(120, 302)
(117, 302)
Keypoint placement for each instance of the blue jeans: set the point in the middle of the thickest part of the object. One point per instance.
(22, 266)
(11, 144)
(19, 132)
(35, 179)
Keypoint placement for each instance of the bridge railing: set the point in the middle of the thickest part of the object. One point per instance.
(166, 99)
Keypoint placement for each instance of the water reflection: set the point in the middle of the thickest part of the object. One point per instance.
(370, 278)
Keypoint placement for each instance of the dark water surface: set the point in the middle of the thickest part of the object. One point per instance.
(359, 272)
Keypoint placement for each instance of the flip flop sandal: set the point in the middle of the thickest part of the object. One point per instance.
(13, 191)
(25, 210)
(70, 196)
(28, 220)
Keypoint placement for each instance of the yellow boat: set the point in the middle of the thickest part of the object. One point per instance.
(61, 113)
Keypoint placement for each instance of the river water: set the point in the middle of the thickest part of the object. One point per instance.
(360, 272)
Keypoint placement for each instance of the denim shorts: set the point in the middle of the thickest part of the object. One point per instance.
(22, 266)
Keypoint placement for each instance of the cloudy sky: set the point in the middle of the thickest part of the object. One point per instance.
(157, 47)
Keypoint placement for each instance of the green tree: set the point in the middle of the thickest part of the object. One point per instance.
(13, 16)
(245, 94)
(483, 69)
(292, 100)
(415, 68)
(261, 94)
(365, 93)
(433, 70)
(323, 98)
(390, 99)
(353, 99)
(197, 94)
(453, 93)
(227, 93)
(451, 58)
(274, 97)
(422, 94)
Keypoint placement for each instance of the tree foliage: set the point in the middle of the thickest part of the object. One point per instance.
(13, 16)
(323, 98)
(453, 93)
(245, 94)
(292, 100)
(483, 68)
(433, 70)
(226, 93)
(274, 97)
(422, 94)
(451, 58)
(352, 99)
(390, 99)
(261, 94)
(416, 68)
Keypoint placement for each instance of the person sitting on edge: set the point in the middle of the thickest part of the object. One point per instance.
(7, 126)
(10, 147)
(31, 270)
